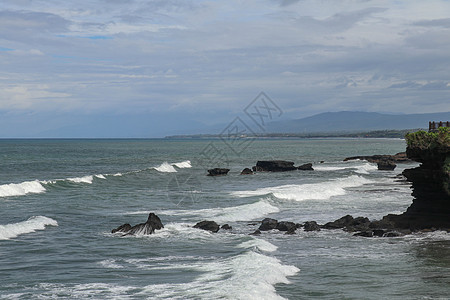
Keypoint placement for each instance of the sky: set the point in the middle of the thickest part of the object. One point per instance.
(149, 68)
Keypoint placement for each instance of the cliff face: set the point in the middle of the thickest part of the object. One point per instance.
(430, 182)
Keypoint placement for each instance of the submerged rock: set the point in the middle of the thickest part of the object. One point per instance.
(153, 223)
(207, 225)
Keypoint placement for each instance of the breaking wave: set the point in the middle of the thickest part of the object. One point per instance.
(20, 189)
(165, 167)
(312, 191)
(10, 231)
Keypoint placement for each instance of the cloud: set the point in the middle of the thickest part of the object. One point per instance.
(434, 23)
(209, 58)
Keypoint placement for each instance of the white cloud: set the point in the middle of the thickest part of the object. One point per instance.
(106, 55)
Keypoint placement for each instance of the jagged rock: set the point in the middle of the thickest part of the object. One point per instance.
(274, 166)
(246, 171)
(311, 226)
(339, 223)
(386, 165)
(207, 225)
(286, 226)
(218, 172)
(268, 224)
(256, 232)
(122, 228)
(226, 227)
(153, 223)
(307, 167)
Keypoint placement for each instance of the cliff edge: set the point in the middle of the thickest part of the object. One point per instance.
(430, 182)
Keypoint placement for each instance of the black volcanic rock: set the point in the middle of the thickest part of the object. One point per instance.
(306, 167)
(268, 224)
(153, 223)
(274, 166)
(386, 165)
(218, 172)
(400, 157)
(207, 225)
(246, 171)
(311, 226)
(286, 226)
(122, 228)
(226, 227)
(339, 223)
(430, 183)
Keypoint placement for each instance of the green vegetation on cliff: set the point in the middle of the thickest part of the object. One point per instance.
(437, 141)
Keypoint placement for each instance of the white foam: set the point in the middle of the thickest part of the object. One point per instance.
(165, 167)
(23, 188)
(110, 264)
(363, 168)
(117, 175)
(249, 275)
(259, 244)
(366, 168)
(31, 225)
(312, 191)
(245, 212)
(84, 179)
(183, 164)
(101, 176)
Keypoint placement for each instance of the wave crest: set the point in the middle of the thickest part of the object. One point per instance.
(10, 231)
(20, 189)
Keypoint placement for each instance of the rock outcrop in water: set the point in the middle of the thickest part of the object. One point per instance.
(247, 171)
(274, 166)
(218, 172)
(208, 226)
(400, 157)
(306, 167)
(153, 223)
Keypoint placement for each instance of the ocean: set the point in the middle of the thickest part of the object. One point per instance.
(60, 199)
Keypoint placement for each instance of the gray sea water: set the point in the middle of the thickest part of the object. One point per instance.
(59, 200)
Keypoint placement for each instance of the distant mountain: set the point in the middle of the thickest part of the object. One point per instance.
(352, 121)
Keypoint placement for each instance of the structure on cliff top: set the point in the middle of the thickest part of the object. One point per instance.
(434, 126)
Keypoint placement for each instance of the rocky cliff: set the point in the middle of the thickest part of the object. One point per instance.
(430, 182)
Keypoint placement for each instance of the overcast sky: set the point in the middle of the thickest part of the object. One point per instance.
(202, 62)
